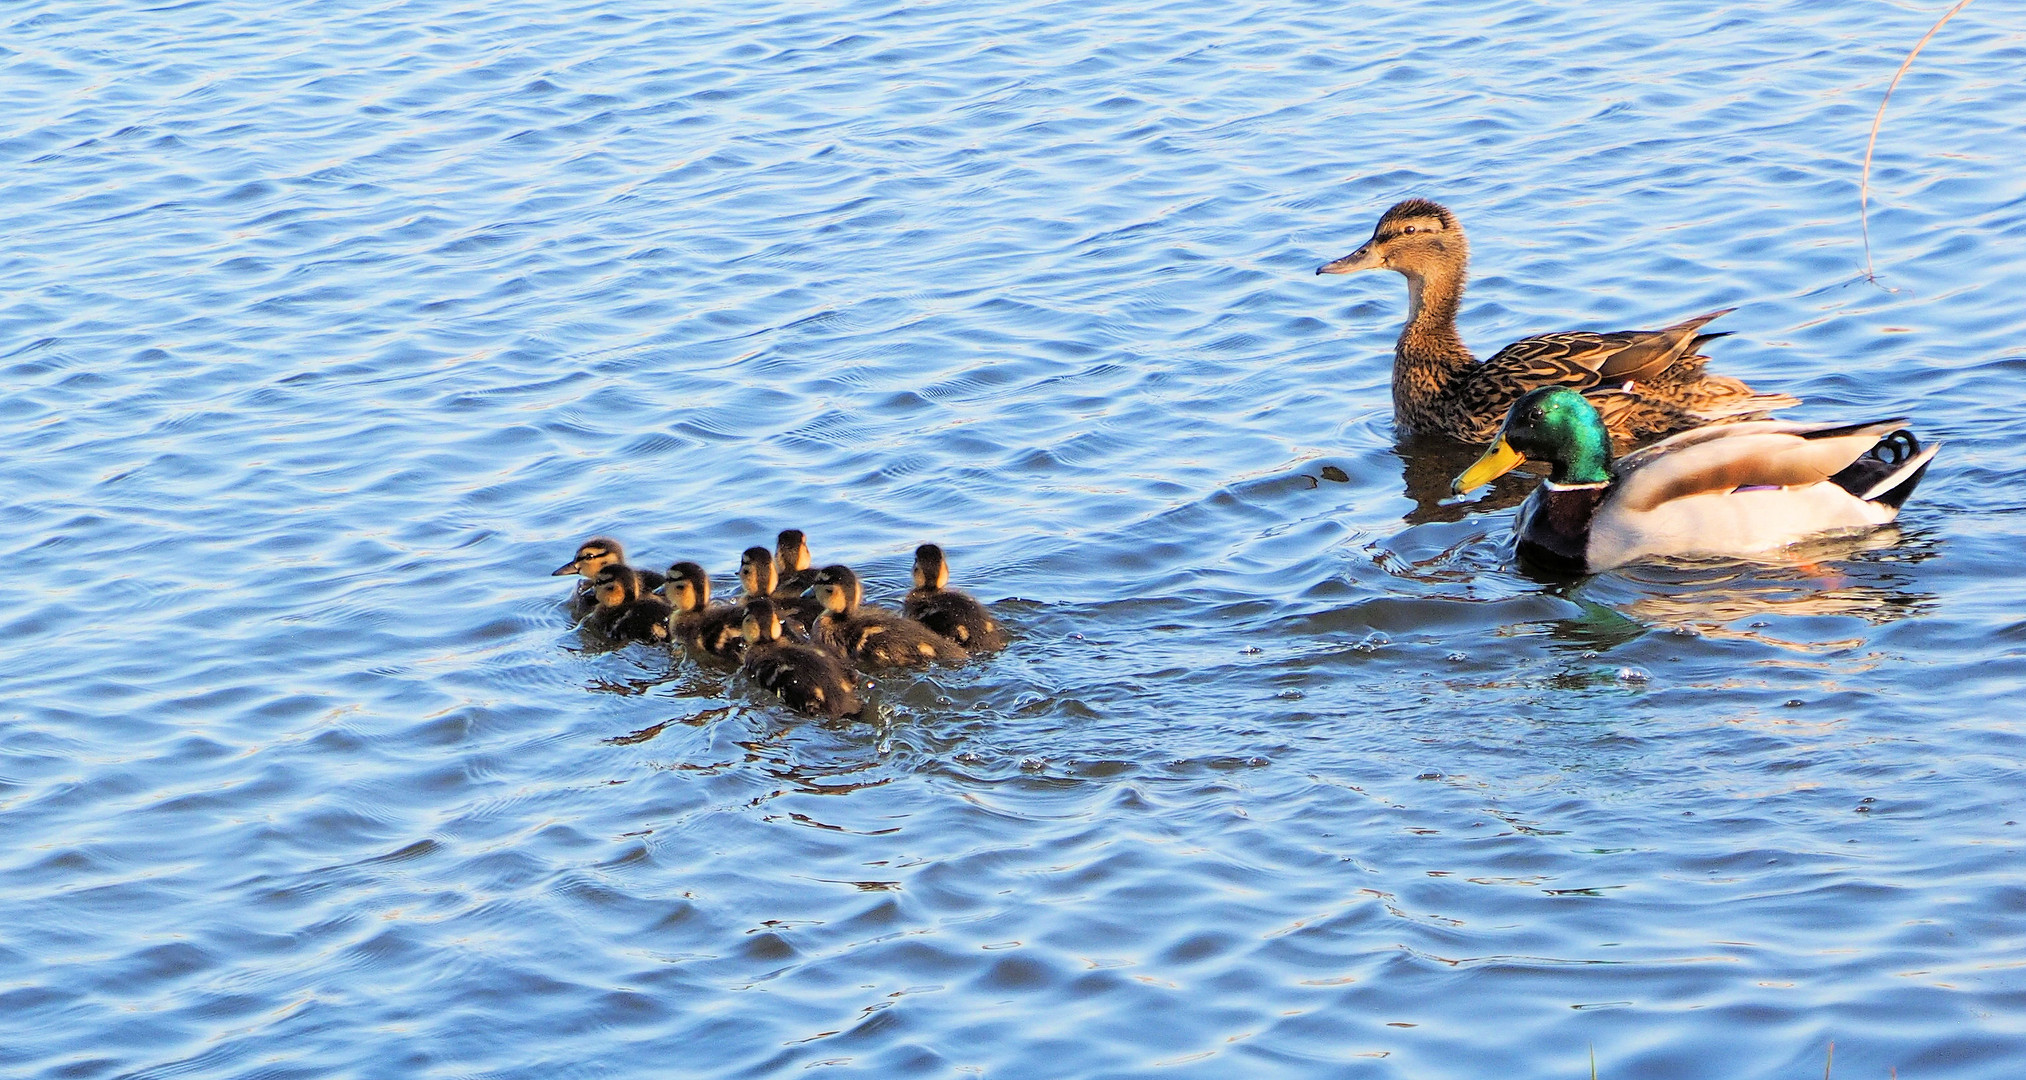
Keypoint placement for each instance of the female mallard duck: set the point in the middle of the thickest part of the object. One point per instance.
(945, 610)
(806, 679)
(594, 555)
(1722, 490)
(1644, 382)
(791, 563)
(706, 628)
(623, 614)
(876, 639)
(756, 578)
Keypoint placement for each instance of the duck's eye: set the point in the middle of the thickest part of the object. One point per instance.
(1408, 230)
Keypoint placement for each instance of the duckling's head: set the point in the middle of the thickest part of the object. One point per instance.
(1417, 238)
(762, 623)
(615, 586)
(593, 555)
(1553, 424)
(688, 588)
(791, 552)
(932, 571)
(838, 590)
(756, 571)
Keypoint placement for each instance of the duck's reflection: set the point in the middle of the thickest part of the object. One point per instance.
(1431, 465)
(1861, 577)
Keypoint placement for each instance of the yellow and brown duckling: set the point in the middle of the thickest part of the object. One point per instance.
(623, 614)
(1644, 383)
(791, 563)
(953, 614)
(757, 579)
(594, 555)
(807, 679)
(705, 628)
(873, 638)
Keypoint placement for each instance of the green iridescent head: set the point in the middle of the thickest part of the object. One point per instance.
(1553, 424)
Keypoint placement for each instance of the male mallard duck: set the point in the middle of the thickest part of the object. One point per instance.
(622, 613)
(945, 610)
(1646, 382)
(806, 679)
(1722, 490)
(756, 578)
(706, 628)
(874, 638)
(594, 555)
(791, 563)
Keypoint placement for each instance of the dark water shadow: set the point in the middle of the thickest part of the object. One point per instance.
(1429, 466)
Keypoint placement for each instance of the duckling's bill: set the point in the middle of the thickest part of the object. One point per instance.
(1365, 258)
(1496, 462)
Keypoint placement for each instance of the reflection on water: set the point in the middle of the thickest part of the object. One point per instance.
(1430, 467)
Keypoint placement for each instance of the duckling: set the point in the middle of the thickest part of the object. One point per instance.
(806, 679)
(1646, 382)
(791, 563)
(948, 612)
(1723, 490)
(874, 638)
(594, 555)
(756, 578)
(623, 614)
(706, 628)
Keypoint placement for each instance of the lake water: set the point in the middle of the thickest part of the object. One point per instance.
(329, 329)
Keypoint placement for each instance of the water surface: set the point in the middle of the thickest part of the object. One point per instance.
(329, 329)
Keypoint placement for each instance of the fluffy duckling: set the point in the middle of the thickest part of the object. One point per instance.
(791, 563)
(757, 579)
(948, 612)
(806, 679)
(875, 639)
(707, 629)
(622, 613)
(594, 555)
(1646, 382)
(1725, 490)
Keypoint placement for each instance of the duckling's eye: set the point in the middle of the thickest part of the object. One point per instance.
(1409, 229)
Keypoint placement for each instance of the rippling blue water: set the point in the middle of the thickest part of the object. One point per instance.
(329, 329)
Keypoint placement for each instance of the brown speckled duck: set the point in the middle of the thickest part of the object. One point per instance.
(623, 614)
(948, 612)
(705, 628)
(873, 638)
(1644, 383)
(594, 555)
(807, 679)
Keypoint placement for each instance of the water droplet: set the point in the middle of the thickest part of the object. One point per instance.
(1633, 675)
(1458, 657)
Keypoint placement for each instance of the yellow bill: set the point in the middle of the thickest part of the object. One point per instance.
(1496, 462)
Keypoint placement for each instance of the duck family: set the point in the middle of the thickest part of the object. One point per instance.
(806, 651)
(1723, 479)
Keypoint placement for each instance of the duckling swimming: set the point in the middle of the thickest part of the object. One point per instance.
(807, 679)
(756, 577)
(1644, 382)
(594, 555)
(876, 639)
(1723, 490)
(791, 563)
(948, 612)
(707, 629)
(622, 613)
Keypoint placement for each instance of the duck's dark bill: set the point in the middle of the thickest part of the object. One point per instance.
(567, 568)
(1496, 462)
(1361, 259)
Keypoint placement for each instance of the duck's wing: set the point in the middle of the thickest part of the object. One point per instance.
(1751, 454)
(1582, 359)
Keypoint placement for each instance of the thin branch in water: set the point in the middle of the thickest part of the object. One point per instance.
(1864, 187)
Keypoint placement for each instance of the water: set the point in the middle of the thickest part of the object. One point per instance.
(329, 329)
